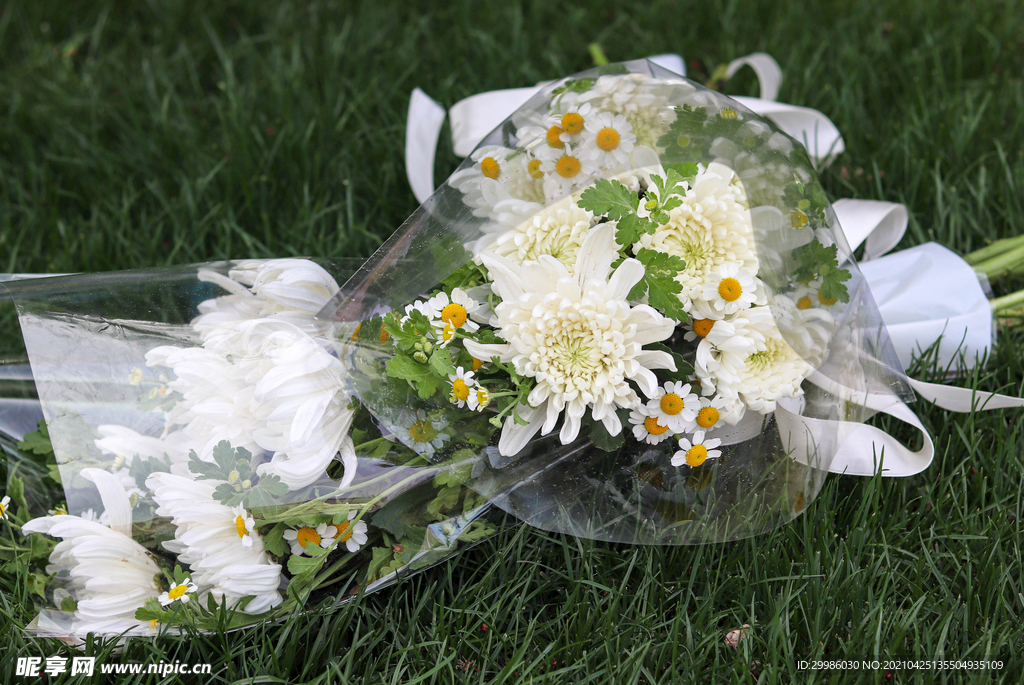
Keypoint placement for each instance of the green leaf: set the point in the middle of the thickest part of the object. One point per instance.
(380, 557)
(605, 441)
(421, 377)
(36, 584)
(274, 542)
(610, 198)
(441, 362)
(38, 441)
(446, 499)
(659, 283)
(687, 171)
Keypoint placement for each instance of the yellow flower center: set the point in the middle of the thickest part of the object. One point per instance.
(448, 332)
(827, 301)
(307, 535)
(552, 137)
(572, 123)
(422, 431)
(490, 168)
(355, 333)
(804, 303)
(345, 531)
(707, 417)
(799, 219)
(384, 335)
(176, 592)
(455, 314)
(567, 167)
(460, 390)
(653, 427)
(608, 139)
(696, 455)
(671, 403)
(730, 289)
(476, 363)
(483, 398)
(703, 326)
(728, 113)
(534, 168)
(240, 526)
(683, 141)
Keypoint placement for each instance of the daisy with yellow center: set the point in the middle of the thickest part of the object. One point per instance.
(565, 170)
(462, 387)
(135, 377)
(533, 168)
(610, 140)
(647, 428)
(490, 168)
(554, 137)
(675, 407)
(477, 364)
(730, 289)
(696, 452)
(422, 433)
(352, 534)
(244, 525)
(454, 311)
(4, 504)
(321, 535)
(479, 398)
(178, 593)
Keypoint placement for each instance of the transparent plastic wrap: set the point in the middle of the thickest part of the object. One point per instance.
(215, 471)
(632, 310)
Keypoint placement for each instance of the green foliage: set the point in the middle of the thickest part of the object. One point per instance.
(818, 261)
(602, 439)
(618, 203)
(38, 441)
(659, 283)
(243, 485)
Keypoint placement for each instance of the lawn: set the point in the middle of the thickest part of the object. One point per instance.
(168, 132)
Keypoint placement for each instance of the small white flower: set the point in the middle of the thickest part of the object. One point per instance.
(4, 504)
(730, 289)
(59, 510)
(675, 407)
(455, 311)
(647, 428)
(611, 139)
(462, 387)
(298, 538)
(178, 593)
(425, 308)
(135, 377)
(479, 398)
(352, 534)
(423, 434)
(565, 170)
(696, 452)
(245, 525)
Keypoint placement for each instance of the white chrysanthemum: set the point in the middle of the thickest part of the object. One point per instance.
(730, 289)
(576, 336)
(611, 139)
(647, 428)
(123, 442)
(352, 534)
(298, 538)
(565, 171)
(711, 228)
(771, 371)
(178, 592)
(695, 453)
(557, 230)
(419, 431)
(210, 537)
(462, 387)
(808, 330)
(109, 574)
(675, 406)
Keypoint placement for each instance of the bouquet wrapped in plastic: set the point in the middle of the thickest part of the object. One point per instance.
(629, 315)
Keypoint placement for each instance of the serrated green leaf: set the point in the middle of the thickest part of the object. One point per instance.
(441, 362)
(38, 441)
(609, 198)
(659, 283)
(274, 542)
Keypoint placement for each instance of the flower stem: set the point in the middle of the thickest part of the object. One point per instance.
(1002, 264)
(994, 250)
(1002, 304)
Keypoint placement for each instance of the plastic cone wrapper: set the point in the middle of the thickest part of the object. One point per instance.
(630, 315)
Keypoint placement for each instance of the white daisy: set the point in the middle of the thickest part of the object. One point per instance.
(323, 535)
(455, 311)
(611, 139)
(4, 504)
(647, 428)
(352, 534)
(730, 289)
(718, 411)
(209, 538)
(696, 452)
(245, 525)
(462, 387)
(576, 335)
(495, 173)
(479, 398)
(675, 406)
(565, 171)
(420, 432)
(178, 593)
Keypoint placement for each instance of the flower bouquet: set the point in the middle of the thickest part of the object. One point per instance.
(629, 315)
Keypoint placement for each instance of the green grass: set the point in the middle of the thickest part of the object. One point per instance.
(151, 133)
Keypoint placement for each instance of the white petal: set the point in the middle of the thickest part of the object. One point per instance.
(115, 499)
(515, 436)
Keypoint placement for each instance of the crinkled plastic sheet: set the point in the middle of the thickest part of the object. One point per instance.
(773, 466)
